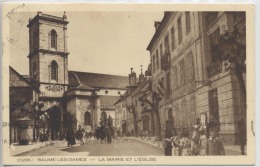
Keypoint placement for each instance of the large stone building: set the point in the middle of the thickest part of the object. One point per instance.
(84, 98)
(196, 84)
(131, 116)
(194, 77)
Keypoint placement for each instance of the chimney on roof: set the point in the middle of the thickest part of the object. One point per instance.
(132, 78)
(64, 16)
(141, 76)
(156, 25)
(39, 13)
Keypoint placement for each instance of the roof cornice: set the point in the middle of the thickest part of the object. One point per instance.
(46, 17)
(161, 27)
(48, 51)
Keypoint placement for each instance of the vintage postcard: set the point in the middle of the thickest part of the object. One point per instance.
(128, 84)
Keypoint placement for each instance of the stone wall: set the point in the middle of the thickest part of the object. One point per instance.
(44, 35)
(228, 101)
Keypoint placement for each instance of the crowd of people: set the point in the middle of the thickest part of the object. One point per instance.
(196, 145)
(202, 142)
(101, 133)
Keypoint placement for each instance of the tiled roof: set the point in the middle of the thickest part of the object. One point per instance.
(24, 78)
(123, 97)
(141, 88)
(95, 80)
(85, 87)
(108, 101)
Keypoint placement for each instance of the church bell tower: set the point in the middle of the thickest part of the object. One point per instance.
(48, 65)
(48, 57)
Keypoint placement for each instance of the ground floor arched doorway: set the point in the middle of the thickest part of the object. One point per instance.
(55, 122)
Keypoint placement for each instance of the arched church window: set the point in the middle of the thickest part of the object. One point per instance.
(87, 118)
(54, 70)
(53, 39)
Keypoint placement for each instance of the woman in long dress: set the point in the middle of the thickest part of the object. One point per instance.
(195, 143)
(185, 144)
(203, 142)
(175, 143)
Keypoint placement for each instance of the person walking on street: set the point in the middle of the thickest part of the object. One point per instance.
(70, 137)
(102, 132)
(109, 134)
(80, 135)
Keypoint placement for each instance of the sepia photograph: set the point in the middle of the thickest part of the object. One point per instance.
(127, 85)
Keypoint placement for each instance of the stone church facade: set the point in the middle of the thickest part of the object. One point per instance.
(88, 97)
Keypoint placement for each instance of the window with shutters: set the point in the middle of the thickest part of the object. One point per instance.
(161, 50)
(189, 73)
(184, 106)
(211, 18)
(154, 63)
(213, 107)
(179, 30)
(54, 70)
(168, 85)
(188, 26)
(173, 38)
(214, 42)
(166, 44)
(182, 72)
(157, 59)
(193, 104)
(175, 78)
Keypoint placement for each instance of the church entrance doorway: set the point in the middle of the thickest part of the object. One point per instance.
(103, 118)
(55, 122)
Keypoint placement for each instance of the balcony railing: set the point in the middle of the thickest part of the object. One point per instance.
(165, 61)
(214, 69)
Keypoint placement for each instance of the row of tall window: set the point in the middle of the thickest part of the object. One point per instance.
(165, 49)
(185, 115)
(183, 72)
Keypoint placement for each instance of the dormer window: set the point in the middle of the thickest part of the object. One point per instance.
(54, 70)
(53, 39)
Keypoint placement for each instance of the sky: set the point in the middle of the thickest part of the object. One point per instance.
(99, 42)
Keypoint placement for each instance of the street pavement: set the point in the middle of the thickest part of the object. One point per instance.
(122, 147)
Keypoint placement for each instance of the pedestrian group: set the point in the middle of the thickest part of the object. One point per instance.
(196, 145)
